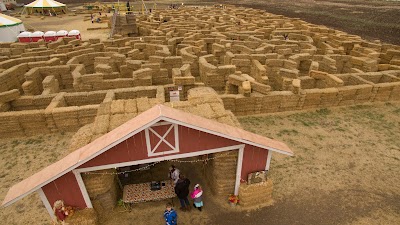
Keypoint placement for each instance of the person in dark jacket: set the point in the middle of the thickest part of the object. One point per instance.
(182, 191)
(170, 216)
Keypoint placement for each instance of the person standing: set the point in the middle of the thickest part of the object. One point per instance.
(196, 196)
(170, 216)
(182, 191)
(173, 173)
(60, 212)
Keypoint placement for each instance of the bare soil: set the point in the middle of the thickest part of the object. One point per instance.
(372, 20)
(68, 22)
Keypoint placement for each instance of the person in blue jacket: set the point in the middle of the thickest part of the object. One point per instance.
(170, 216)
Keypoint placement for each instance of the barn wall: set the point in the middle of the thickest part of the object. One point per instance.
(134, 148)
(254, 159)
(65, 188)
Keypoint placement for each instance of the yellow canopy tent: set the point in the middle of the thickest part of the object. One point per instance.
(45, 7)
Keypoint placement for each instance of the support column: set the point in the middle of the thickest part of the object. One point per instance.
(83, 189)
(239, 170)
(46, 203)
(268, 160)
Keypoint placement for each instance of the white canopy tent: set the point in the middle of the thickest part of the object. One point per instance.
(10, 27)
(43, 6)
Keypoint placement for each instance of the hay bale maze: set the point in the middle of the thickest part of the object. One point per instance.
(224, 61)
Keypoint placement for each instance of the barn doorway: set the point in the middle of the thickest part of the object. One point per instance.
(216, 171)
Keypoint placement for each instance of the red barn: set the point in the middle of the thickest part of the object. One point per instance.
(160, 133)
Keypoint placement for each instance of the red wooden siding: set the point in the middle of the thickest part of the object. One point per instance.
(65, 188)
(134, 148)
(254, 159)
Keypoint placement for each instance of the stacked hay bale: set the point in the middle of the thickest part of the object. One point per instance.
(221, 172)
(125, 25)
(256, 195)
(83, 217)
(33, 121)
(50, 85)
(103, 190)
(9, 125)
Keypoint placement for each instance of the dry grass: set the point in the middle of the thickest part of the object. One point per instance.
(20, 158)
(352, 152)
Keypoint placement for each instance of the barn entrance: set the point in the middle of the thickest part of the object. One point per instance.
(131, 183)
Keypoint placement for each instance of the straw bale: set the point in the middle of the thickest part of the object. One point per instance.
(66, 112)
(176, 72)
(87, 111)
(288, 73)
(236, 80)
(262, 88)
(180, 81)
(129, 116)
(117, 106)
(241, 62)
(131, 106)
(203, 110)
(134, 64)
(153, 66)
(32, 116)
(83, 217)
(173, 60)
(142, 73)
(101, 124)
(274, 63)
(143, 104)
(15, 51)
(94, 40)
(103, 68)
(4, 107)
(116, 120)
(202, 95)
(8, 96)
(97, 184)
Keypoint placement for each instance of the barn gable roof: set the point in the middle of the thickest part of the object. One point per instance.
(128, 129)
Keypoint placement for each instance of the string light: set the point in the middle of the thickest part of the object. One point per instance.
(153, 164)
(128, 171)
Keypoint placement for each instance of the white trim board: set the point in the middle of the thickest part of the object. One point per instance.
(267, 164)
(152, 151)
(82, 187)
(239, 170)
(46, 203)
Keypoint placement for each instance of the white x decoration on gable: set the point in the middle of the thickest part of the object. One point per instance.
(164, 141)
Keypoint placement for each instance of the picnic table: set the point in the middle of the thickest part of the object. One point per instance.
(135, 193)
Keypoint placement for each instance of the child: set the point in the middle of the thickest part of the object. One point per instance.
(170, 216)
(59, 211)
(196, 196)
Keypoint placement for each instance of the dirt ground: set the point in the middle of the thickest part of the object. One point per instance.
(369, 19)
(67, 22)
(345, 171)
